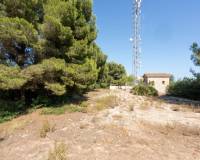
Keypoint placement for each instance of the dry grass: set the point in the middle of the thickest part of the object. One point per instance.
(183, 129)
(70, 108)
(197, 110)
(145, 105)
(117, 117)
(103, 103)
(172, 128)
(185, 108)
(59, 152)
(12, 126)
(84, 125)
(118, 130)
(95, 119)
(131, 106)
(99, 104)
(16, 125)
(46, 128)
(149, 102)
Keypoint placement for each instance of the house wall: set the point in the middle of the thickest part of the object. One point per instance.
(160, 84)
(121, 87)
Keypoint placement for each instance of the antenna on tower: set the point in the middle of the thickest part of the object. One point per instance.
(136, 39)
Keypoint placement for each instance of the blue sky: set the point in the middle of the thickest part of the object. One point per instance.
(169, 27)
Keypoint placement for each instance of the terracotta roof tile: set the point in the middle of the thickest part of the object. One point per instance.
(157, 75)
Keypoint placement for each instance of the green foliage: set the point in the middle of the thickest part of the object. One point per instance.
(18, 30)
(10, 109)
(195, 57)
(144, 90)
(48, 51)
(56, 88)
(196, 54)
(11, 78)
(130, 80)
(186, 88)
(15, 35)
(116, 73)
(81, 77)
(31, 10)
(66, 56)
(58, 110)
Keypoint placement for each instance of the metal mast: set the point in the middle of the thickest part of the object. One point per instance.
(136, 40)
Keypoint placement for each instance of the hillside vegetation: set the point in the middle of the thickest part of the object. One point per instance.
(48, 52)
(188, 87)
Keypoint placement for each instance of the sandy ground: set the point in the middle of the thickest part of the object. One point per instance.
(138, 128)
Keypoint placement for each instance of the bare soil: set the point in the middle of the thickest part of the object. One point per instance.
(137, 128)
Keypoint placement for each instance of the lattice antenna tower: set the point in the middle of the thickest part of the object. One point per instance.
(136, 39)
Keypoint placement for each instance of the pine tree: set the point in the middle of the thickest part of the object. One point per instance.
(195, 58)
(47, 47)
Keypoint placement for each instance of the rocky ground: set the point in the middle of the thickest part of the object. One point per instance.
(136, 128)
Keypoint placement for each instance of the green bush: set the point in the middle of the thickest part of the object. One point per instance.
(186, 88)
(144, 90)
(10, 109)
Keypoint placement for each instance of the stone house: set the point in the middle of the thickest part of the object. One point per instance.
(160, 81)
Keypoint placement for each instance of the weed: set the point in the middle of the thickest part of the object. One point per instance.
(105, 102)
(59, 152)
(74, 108)
(63, 109)
(46, 128)
(53, 110)
(131, 108)
(145, 105)
(84, 104)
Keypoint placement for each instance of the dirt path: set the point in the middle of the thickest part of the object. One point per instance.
(138, 128)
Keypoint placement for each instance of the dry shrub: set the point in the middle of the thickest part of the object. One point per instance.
(145, 105)
(106, 102)
(119, 130)
(59, 152)
(46, 127)
(131, 108)
(175, 108)
(103, 103)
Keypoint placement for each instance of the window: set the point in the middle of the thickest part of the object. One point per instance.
(163, 82)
